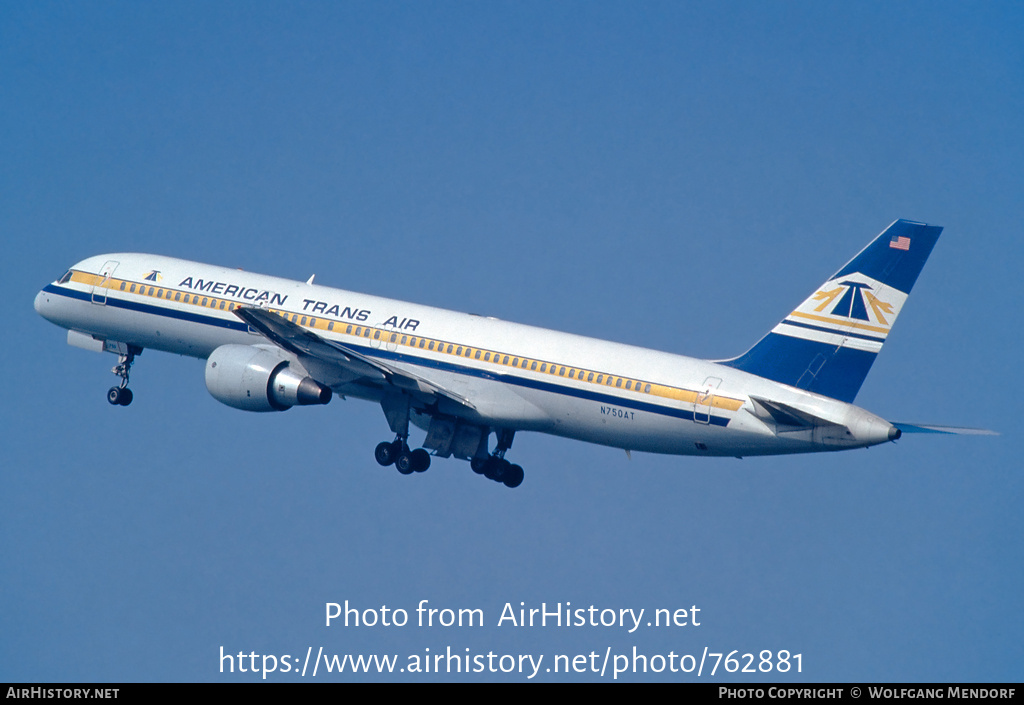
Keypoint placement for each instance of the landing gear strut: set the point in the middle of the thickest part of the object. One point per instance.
(121, 395)
(495, 467)
(396, 409)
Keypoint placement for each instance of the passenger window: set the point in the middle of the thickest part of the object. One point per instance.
(422, 341)
(404, 338)
(394, 337)
(366, 332)
(303, 321)
(122, 285)
(544, 367)
(431, 344)
(600, 379)
(330, 325)
(561, 371)
(359, 331)
(477, 355)
(177, 294)
(590, 377)
(458, 352)
(628, 385)
(647, 389)
(487, 357)
(376, 335)
(618, 382)
(150, 291)
(534, 365)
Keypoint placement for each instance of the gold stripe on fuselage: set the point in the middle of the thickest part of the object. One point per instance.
(387, 336)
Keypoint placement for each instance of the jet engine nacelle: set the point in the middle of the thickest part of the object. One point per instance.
(254, 378)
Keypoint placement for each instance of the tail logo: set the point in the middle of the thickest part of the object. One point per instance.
(851, 311)
(854, 300)
(828, 342)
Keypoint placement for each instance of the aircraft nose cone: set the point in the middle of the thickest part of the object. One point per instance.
(44, 306)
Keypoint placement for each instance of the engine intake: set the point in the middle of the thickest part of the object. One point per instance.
(255, 378)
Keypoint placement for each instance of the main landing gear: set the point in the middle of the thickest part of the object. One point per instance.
(397, 452)
(498, 469)
(396, 409)
(121, 395)
(495, 467)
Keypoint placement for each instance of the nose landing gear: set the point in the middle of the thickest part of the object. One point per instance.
(121, 395)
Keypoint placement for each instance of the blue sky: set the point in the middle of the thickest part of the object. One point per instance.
(672, 175)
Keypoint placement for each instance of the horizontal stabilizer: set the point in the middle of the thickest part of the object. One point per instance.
(786, 415)
(949, 430)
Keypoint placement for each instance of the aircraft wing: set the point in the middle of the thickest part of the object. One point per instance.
(306, 344)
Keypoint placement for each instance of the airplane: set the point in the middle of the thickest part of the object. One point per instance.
(271, 344)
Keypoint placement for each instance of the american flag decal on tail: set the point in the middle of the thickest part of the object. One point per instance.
(900, 242)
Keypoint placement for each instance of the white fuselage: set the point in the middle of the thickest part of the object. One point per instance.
(516, 376)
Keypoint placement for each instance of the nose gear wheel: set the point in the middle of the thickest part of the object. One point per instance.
(121, 395)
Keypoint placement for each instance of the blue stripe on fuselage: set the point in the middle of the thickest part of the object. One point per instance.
(402, 357)
(148, 308)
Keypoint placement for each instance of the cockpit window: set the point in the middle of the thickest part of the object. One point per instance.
(66, 278)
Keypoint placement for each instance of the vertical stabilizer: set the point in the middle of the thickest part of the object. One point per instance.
(828, 343)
